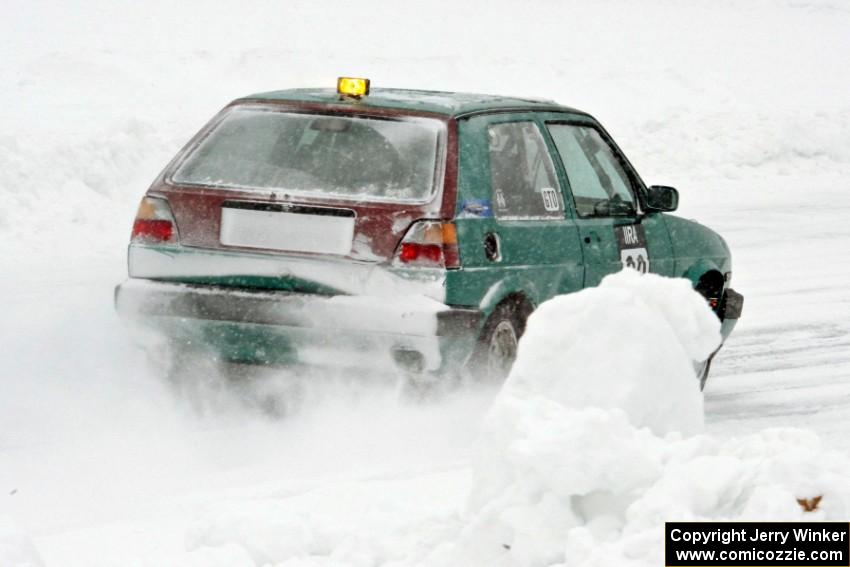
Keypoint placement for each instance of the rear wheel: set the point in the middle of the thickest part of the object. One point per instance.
(501, 349)
(496, 350)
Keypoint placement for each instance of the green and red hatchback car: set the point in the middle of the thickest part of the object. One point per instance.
(412, 229)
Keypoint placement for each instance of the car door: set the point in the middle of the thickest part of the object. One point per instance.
(515, 231)
(614, 233)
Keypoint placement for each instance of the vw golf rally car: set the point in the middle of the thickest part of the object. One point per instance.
(409, 228)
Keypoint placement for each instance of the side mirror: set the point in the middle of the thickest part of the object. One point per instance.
(661, 198)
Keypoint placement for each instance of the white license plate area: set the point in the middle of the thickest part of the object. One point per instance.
(307, 229)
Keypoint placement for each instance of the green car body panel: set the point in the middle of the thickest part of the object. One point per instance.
(521, 260)
(539, 259)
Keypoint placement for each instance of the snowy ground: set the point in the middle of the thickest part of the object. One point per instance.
(744, 108)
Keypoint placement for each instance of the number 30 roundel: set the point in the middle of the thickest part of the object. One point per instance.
(635, 258)
(632, 242)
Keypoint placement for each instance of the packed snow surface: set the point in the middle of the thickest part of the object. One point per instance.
(741, 106)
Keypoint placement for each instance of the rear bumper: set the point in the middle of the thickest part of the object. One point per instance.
(278, 326)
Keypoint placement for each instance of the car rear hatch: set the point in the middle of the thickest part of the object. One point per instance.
(303, 188)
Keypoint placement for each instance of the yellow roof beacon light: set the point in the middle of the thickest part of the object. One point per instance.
(352, 87)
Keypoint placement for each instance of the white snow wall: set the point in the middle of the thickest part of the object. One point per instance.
(594, 441)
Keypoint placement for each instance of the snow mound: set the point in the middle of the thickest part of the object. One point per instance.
(16, 548)
(629, 343)
(588, 449)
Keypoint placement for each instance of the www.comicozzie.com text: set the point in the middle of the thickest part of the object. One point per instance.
(755, 534)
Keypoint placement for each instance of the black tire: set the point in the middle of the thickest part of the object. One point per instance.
(496, 350)
(710, 286)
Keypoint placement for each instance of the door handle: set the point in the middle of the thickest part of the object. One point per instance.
(492, 247)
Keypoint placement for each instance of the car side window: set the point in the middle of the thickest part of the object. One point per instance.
(600, 185)
(522, 175)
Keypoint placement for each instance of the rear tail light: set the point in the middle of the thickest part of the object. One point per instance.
(154, 222)
(430, 244)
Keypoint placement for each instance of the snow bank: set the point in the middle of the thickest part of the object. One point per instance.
(629, 343)
(16, 548)
(586, 451)
(77, 190)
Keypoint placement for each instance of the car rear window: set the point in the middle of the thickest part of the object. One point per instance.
(349, 157)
